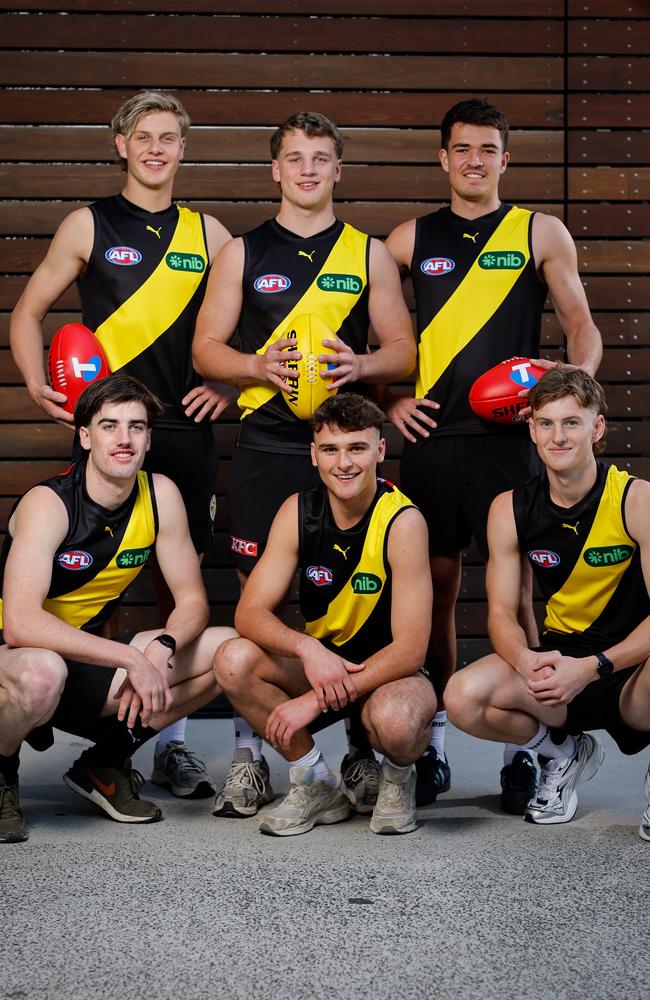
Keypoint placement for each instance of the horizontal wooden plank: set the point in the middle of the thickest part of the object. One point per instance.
(197, 181)
(609, 37)
(608, 220)
(291, 71)
(617, 330)
(606, 73)
(607, 8)
(482, 8)
(221, 33)
(608, 147)
(251, 145)
(608, 110)
(252, 108)
(614, 183)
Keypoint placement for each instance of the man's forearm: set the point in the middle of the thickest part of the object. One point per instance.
(26, 339)
(221, 363)
(42, 630)
(267, 631)
(392, 663)
(187, 620)
(509, 639)
(392, 361)
(585, 349)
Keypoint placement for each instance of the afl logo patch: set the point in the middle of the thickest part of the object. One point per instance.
(435, 266)
(544, 558)
(270, 283)
(75, 559)
(321, 576)
(123, 256)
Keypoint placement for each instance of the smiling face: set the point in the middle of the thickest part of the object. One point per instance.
(118, 437)
(475, 161)
(347, 461)
(307, 168)
(565, 433)
(154, 149)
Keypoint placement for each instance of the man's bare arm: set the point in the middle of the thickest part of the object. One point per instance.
(65, 260)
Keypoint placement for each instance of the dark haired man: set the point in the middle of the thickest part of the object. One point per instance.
(303, 261)
(365, 594)
(141, 265)
(73, 546)
(472, 314)
(584, 528)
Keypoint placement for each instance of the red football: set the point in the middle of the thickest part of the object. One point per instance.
(495, 394)
(75, 360)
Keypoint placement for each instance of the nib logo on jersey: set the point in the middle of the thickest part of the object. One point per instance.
(268, 284)
(435, 267)
(185, 262)
(607, 555)
(75, 559)
(502, 260)
(340, 283)
(123, 256)
(365, 583)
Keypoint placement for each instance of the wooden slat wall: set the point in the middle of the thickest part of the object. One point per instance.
(572, 75)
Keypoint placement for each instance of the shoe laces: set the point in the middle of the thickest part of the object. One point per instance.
(549, 781)
(363, 769)
(185, 760)
(393, 793)
(518, 777)
(246, 774)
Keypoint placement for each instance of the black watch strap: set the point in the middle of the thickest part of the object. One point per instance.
(605, 665)
(167, 640)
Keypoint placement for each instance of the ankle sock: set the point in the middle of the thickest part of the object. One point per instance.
(321, 768)
(246, 738)
(397, 767)
(438, 730)
(172, 734)
(543, 744)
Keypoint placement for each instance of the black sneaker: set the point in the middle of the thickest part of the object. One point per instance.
(360, 776)
(12, 824)
(433, 777)
(518, 783)
(114, 790)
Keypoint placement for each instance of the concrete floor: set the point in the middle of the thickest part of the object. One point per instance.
(474, 904)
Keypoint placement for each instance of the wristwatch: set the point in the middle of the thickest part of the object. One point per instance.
(605, 665)
(167, 640)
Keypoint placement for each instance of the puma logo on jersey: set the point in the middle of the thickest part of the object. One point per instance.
(303, 253)
(572, 527)
(109, 530)
(468, 236)
(344, 552)
(156, 232)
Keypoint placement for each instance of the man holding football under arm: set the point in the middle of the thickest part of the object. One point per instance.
(365, 594)
(141, 265)
(305, 261)
(584, 527)
(73, 546)
(471, 314)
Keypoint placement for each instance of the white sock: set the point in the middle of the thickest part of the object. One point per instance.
(321, 768)
(246, 738)
(542, 743)
(396, 767)
(438, 729)
(175, 732)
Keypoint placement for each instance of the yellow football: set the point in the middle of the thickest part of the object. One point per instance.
(305, 395)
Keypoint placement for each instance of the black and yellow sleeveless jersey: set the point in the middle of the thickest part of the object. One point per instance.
(479, 301)
(286, 275)
(345, 579)
(102, 552)
(141, 293)
(584, 560)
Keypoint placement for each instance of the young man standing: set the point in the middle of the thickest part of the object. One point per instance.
(141, 265)
(74, 545)
(584, 528)
(365, 594)
(471, 314)
(303, 261)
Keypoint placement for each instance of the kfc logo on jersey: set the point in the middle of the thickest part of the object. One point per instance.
(243, 547)
(435, 266)
(544, 558)
(75, 559)
(123, 256)
(270, 283)
(320, 576)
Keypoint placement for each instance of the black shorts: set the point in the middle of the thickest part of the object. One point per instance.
(598, 705)
(258, 484)
(454, 479)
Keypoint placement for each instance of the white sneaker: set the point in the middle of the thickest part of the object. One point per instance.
(247, 787)
(395, 809)
(556, 800)
(644, 828)
(308, 803)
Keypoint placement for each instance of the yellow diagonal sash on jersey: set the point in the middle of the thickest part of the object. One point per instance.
(476, 299)
(159, 301)
(348, 255)
(349, 612)
(588, 589)
(82, 605)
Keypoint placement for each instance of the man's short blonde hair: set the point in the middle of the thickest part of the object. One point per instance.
(146, 102)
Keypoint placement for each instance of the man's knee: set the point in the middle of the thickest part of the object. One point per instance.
(38, 678)
(464, 696)
(398, 724)
(234, 664)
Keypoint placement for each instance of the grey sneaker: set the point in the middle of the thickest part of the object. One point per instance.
(395, 809)
(12, 824)
(644, 828)
(247, 787)
(556, 800)
(360, 775)
(308, 803)
(180, 770)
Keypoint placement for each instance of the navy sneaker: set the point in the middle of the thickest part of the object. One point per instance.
(518, 783)
(433, 777)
